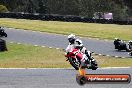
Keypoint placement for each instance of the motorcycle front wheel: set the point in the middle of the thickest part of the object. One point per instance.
(74, 63)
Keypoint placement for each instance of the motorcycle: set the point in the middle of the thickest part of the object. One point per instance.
(75, 57)
(120, 45)
(2, 32)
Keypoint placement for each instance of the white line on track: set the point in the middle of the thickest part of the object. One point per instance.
(33, 31)
(11, 42)
(35, 45)
(57, 48)
(40, 32)
(37, 68)
(97, 39)
(100, 54)
(106, 40)
(18, 43)
(68, 68)
(107, 55)
(117, 56)
(114, 67)
(89, 38)
(43, 46)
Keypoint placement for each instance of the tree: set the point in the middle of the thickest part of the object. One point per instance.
(3, 8)
(42, 7)
(121, 9)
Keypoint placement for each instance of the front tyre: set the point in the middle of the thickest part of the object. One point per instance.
(74, 63)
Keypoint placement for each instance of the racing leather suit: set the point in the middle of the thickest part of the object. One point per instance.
(80, 47)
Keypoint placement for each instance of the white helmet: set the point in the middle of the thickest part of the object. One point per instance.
(79, 41)
(116, 38)
(71, 36)
(130, 42)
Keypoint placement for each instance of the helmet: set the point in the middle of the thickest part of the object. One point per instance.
(117, 39)
(130, 42)
(71, 38)
(78, 41)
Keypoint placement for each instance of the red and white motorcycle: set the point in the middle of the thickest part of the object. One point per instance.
(75, 58)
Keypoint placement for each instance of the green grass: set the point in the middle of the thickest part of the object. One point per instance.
(104, 61)
(27, 56)
(102, 31)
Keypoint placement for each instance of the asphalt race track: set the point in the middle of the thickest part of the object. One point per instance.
(54, 78)
(60, 41)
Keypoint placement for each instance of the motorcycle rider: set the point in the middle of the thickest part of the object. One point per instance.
(117, 42)
(77, 43)
(83, 49)
(1, 30)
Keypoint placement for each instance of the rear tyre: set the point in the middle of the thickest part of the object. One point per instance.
(94, 68)
(130, 53)
(94, 65)
(119, 49)
(5, 35)
(127, 50)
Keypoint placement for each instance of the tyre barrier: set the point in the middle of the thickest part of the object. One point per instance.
(65, 18)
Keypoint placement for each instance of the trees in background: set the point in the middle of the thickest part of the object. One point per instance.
(121, 9)
(3, 8)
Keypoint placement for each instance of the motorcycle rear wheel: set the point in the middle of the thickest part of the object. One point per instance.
(94, 65)
(5, 35)
(130, 53)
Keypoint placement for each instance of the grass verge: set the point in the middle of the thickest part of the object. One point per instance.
(102, 31)
(27, 56)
